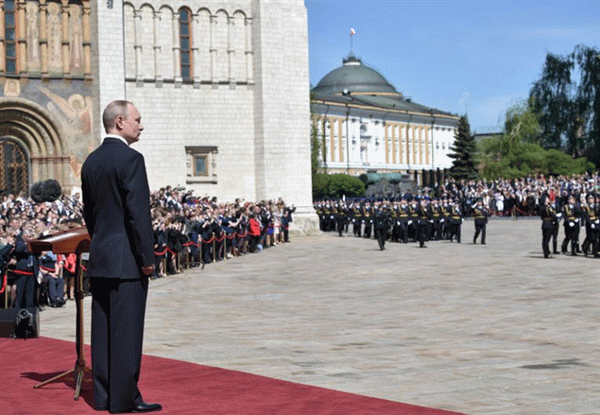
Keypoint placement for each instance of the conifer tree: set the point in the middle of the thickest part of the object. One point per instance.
(463, 152)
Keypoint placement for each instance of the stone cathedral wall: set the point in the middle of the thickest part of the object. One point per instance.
(46, 98)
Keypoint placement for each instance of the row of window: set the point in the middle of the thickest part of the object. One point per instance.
(10, 42)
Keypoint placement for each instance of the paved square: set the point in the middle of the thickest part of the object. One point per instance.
(479, 329)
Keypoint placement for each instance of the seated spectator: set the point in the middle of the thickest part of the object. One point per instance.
(51, 275)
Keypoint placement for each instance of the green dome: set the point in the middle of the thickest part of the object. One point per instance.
(355, 78)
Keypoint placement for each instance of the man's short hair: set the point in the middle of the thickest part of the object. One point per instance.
(115, 109)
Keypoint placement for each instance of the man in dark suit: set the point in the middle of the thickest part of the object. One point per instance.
(117, 216)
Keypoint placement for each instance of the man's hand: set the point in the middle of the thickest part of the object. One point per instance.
(148, 269)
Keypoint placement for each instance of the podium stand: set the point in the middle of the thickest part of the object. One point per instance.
(67, 242)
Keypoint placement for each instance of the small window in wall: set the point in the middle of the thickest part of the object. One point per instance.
(10, 40)
(201, 164)
(185, 42)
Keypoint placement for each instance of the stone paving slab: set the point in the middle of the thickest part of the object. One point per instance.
(479, 329)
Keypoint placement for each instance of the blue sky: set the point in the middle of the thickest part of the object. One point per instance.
(473, 57)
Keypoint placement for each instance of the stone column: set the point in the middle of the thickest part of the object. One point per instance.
(427, 145)
(137, 46)
(408, 137)
(2, 45)
(341, 132)
(414, 145)
(249, 72)
(157, 50)
(87, 43)
(213, 50)
(65, 40)
(400, 152)
(385, 141)
(331, 141)
(176, 51)
(421, 145)
(230, 51)
(194, 30)
(393, 127)
(43, 39)
(21, 37)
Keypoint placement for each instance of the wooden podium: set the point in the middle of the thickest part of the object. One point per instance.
(71, 241)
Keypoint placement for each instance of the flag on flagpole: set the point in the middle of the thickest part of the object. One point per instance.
(352, 32)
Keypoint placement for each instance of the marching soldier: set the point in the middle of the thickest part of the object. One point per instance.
(425, 220)
(548, 216)
(394, 212)
(455, 222)
(403, 218)
(381, 221)
(341, 217)
(480, 215)
(413, 220)
(555, 228)
(592, 226)
(571, 224)
(357, 219)
(368, 219)
(436, 211)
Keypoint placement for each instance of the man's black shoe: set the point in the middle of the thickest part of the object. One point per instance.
(141, 408)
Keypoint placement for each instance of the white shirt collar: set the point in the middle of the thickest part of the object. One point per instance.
(118, 137)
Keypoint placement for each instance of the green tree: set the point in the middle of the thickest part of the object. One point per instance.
(552, 97)
(517, 152)
(335, 186)
(463, 152)
(588, 98)
(569, 109)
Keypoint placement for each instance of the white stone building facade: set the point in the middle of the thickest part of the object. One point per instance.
(222, 86)
(232, 123)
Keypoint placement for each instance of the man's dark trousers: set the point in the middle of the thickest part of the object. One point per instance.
(118, 308)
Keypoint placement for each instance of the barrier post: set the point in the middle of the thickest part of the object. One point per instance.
(214, 241)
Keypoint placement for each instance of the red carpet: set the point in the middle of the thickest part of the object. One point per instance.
(182, 388)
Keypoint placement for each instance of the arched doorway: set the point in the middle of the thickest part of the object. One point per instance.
(31, 148)
(14, 167)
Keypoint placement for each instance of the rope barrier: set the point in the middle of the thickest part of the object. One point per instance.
(3, 284)
(21, 272)
(524, 213)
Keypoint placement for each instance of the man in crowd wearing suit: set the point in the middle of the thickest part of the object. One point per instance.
(117, 216)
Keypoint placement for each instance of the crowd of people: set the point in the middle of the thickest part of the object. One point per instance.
(517, 197)
(189, 231)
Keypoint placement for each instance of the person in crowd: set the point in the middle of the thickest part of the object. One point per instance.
(51, 270)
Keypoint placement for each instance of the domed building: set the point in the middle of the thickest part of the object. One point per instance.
(366, 126)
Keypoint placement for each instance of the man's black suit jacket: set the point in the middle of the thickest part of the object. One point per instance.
(117, 211)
